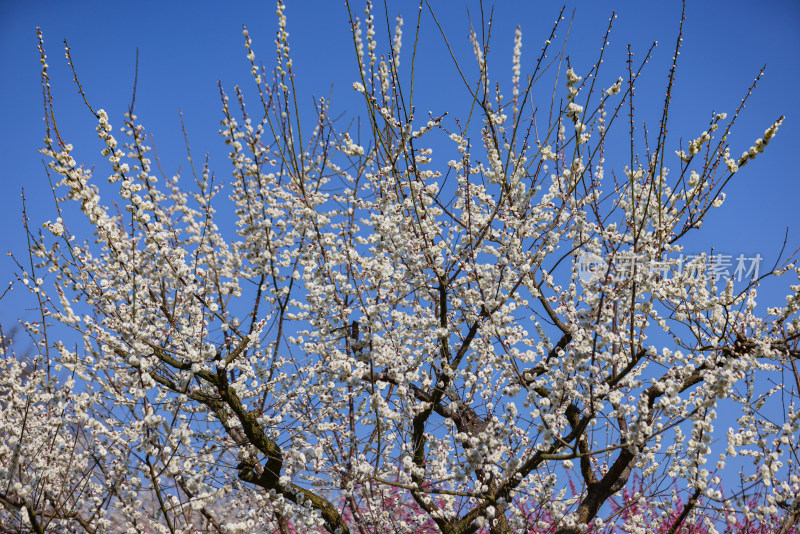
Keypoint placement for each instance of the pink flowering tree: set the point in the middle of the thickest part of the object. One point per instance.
(392, 340)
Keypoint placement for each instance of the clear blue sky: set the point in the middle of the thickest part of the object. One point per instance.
(185, 47)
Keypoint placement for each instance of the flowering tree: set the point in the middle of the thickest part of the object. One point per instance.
(387, 343)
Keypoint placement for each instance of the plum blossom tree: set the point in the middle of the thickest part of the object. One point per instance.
(393, 341)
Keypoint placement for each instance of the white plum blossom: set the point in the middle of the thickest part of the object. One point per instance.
(389, 325)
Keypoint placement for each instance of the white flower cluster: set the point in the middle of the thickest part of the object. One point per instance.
(350, 148)
(757, 148)
(615, 89)
(572, 80)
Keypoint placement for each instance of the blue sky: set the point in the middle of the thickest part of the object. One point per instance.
(185, 48)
